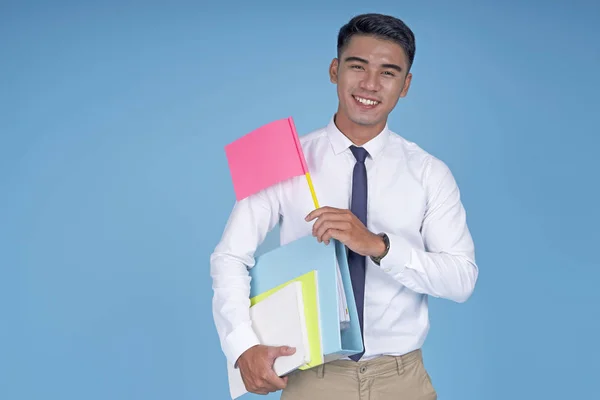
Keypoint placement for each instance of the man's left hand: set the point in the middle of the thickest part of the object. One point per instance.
(343, 225)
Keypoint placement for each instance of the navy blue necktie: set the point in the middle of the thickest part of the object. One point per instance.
(356, 262)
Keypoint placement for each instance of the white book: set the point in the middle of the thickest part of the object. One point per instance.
(277, 320)
(343, 312)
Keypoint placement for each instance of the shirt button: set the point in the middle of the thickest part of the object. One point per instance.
(387, 269)
(363, 369)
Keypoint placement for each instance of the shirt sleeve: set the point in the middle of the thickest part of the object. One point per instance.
(446, 267)
(249, 222)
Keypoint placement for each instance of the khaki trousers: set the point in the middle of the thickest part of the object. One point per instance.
(387, 377)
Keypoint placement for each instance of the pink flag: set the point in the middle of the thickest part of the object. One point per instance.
(264, 157)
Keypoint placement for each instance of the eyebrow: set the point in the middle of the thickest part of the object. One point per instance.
(362, 60)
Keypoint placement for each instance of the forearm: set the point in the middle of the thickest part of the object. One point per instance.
(231, 302)
(438, 274)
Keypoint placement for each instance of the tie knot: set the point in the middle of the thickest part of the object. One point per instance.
(359, 153)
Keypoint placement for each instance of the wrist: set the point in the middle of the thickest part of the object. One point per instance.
(247, 353)
(378, 247)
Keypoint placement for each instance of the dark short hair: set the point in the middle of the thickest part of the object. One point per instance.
(380, 26)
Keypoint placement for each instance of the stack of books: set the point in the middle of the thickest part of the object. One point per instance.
(301, 296)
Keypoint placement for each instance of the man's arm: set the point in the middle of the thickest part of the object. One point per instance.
(249, 223)
(446, 268)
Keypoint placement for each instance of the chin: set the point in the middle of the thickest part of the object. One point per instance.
(365, 120)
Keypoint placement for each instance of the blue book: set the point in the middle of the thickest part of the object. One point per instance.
(299, 257)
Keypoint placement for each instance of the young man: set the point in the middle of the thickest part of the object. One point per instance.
(395, 207)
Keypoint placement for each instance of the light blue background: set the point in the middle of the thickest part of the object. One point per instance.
(114, 186)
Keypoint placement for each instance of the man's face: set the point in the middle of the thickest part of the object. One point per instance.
(371, 75)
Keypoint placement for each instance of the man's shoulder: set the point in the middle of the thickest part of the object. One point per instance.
(410, 149)
(415, 155)
(312, 136)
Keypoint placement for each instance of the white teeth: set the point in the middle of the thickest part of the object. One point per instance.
(366, 101)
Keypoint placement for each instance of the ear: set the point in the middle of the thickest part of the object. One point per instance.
(407, 82)
(333, 71)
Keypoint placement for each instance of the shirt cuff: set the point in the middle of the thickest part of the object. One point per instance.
(398, 257)
(238, 341)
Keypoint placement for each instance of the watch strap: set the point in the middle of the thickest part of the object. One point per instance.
(386, 241)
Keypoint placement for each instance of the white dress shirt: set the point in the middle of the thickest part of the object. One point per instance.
(412, 196)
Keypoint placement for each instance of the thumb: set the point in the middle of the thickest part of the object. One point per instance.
(285, 351)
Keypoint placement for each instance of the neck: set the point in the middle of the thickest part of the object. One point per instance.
(358, 134)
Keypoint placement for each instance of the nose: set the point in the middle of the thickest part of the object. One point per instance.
(371, 81)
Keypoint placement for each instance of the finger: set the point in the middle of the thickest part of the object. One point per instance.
(271, 381)
(336, 225)
(259, 387)
(342, 236)
(330, 216)
(320, 211)
(264, 382)
(331, 225)
(280, 351)
(276, 381)
(286, 350)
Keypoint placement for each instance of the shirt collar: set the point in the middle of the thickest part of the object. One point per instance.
(341, 143)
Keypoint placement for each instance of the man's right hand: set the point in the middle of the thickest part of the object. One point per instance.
(256, 367)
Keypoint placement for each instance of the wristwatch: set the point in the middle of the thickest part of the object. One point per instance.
(386, 241)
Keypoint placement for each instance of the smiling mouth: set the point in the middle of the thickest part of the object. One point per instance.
(365, 102)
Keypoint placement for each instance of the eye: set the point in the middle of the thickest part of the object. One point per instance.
(389, 73)
(356, 66)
